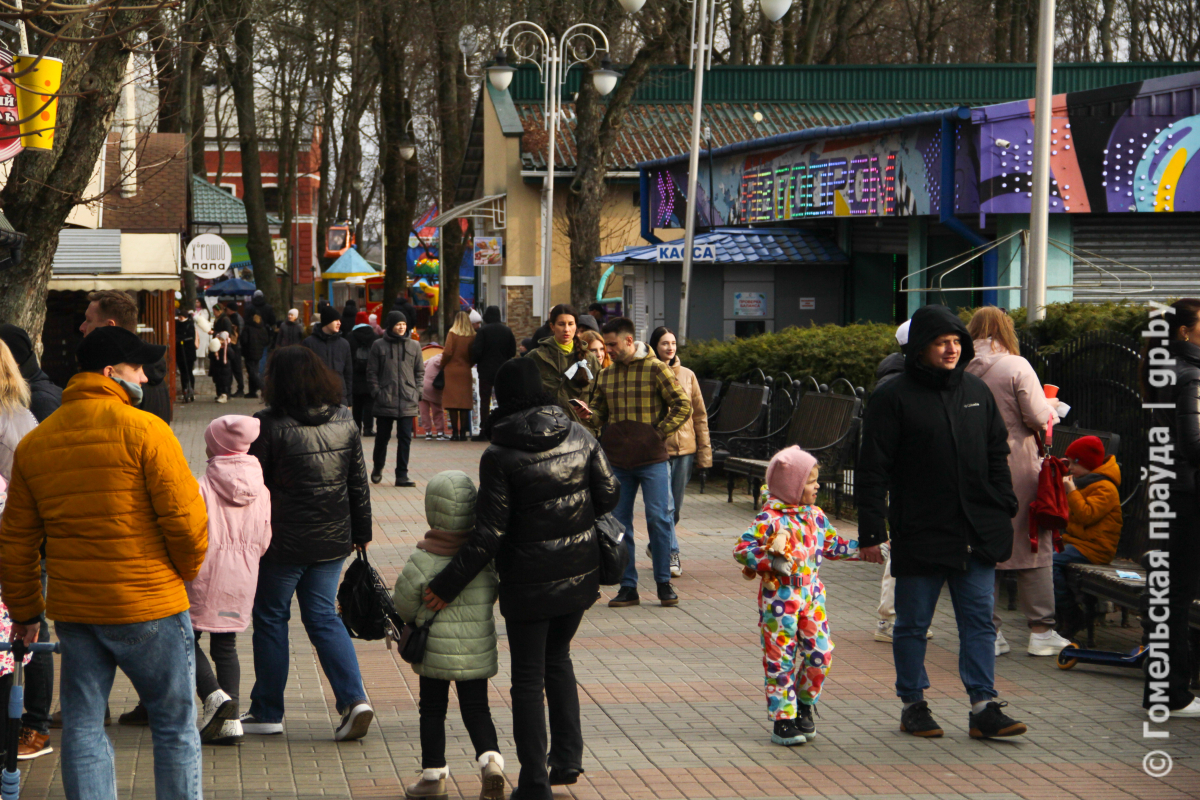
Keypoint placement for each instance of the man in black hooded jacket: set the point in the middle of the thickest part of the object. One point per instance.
(936, 447)
(44, 395)
(327, 342)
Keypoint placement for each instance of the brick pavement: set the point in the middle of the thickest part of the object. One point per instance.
(672, 703)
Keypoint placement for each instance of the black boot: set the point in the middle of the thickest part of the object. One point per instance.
(377, 475)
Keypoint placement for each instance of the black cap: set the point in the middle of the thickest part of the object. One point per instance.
(109, 345)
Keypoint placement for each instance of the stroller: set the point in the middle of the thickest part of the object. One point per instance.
(10, 777)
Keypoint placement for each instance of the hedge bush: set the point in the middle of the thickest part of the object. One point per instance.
(829, 352)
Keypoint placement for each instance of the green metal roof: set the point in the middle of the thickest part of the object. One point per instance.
(944, 84)
(212, 205)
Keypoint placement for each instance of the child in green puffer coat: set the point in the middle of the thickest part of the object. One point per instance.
(461, 645)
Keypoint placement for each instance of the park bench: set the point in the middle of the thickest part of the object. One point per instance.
(741, 412)
(710, 390)
(822, 423)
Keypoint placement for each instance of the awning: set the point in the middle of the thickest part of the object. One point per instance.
(493, 208)
(746, 246)
(349, 264)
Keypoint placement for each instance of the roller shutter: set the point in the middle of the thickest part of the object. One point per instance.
(1165, 245)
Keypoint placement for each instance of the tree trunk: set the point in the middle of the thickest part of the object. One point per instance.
(241, 80)
(43, 188)
(737, 33)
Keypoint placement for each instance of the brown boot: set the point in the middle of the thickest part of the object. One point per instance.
(491, 765)
(431, 786)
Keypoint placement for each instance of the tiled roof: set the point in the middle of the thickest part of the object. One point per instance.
(213, 205)
(160, 203)
(660, 130)
(742, 246)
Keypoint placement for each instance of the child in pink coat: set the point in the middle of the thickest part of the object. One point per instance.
(222, 595)
(433, 417)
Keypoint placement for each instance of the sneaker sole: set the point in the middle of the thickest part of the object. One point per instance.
(1045, 651)
(883, 637)
(669, 603)
(226, 711)
(623, 603)
(356, 728)
(676, 573)
(1011, 730)
(792, 741)
(28, 756)
(931, 734)
(262, 728)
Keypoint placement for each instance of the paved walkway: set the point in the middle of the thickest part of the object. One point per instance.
(672, 698)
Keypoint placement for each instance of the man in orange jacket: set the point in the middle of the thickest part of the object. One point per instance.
(106, 488)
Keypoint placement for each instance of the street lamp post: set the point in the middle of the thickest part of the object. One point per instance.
(1039, 210)
(703, 29)
(554, 59)
(408, 149)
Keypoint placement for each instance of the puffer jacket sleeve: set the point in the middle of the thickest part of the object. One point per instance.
(606, 489)
(261, 448)
(700, 426)
(175, 496)
(375, 365)
(419, 371)
(22, 533)
(1187, 417)
(406, 594)
(493, 508)
(750, 550)
(360, 495)
(347, 370)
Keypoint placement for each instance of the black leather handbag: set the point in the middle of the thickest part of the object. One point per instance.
(413, 640)
(613, 555)
(365, 602)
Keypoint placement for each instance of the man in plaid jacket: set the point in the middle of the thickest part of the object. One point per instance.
(638, 404)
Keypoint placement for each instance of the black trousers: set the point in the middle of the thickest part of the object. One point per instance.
(485, 403)
(541, 662)
(235, 363)
(39, 680)
(221, 374)
(185, 359)
(1183, 549)
(253, 379)
(472, 704)
(223, 648)
(460, 420)
(383, 433)
(361, 409)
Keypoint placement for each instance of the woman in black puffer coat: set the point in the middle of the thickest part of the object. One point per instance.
(312, 463)
(542, 483)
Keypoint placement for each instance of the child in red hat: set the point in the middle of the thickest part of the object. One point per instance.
(1094, 527)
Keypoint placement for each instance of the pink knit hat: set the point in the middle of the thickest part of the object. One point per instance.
(788, 472)
(231, 435)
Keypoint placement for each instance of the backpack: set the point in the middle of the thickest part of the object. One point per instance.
(1049, 507)
(361, 355)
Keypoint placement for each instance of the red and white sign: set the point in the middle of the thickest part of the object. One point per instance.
(10, 134)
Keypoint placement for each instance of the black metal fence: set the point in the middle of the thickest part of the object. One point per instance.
(1097, 376)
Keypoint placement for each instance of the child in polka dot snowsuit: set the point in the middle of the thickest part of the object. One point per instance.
(785, 547)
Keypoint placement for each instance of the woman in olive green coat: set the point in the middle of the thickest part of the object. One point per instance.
(568, 370)
(462, 640)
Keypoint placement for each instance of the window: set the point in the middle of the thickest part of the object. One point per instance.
(271, 198)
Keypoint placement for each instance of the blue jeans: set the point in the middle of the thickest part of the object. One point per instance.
(315, 586)
(1069, 555)
(655, 480)
(681, 473)
(971, 592)
(158, 657)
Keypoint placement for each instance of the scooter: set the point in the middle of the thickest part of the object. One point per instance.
(1073, 654)
(10, 777)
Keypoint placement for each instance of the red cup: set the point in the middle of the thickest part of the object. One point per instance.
(1051, 391)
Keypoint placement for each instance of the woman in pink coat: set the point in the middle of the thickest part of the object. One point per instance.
(222, 595)
(433, 416)
(1026, 413)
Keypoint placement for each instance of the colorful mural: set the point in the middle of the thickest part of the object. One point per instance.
(897, 174)
(1121, 148)
(1118, 149)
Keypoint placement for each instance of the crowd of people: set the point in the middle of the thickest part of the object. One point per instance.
(134, 559)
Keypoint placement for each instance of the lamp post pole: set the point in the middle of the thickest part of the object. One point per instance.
(1039, 210)
(578, 45)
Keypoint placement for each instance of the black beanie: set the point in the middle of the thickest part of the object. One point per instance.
(518, 379)
(18, 343)
(392, 318)
(329, 315)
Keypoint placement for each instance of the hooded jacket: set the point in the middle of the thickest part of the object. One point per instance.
(395, 374)
(1094, 526)
(462, 640)
(361, 339)
(256, 338)
(433, 368)
(259, 305)
(891, 367)
(334, 350)
(106, 488)
(45, 395)
(692, 435)
(156, 395)
(553, 364)
(542, 483)
(312, 463)
(934, 439)
(239, 531)
(494, 344)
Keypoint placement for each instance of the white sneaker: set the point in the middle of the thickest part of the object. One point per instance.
(230, 733)
(1192, 709)
(252, 726)
(676, 566)
(355, 723)
(883, 631)
(1046, 644)
(219, 708)
(223, 398)
(429, 437)
(1002, 645)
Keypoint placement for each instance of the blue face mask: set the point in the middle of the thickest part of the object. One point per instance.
(134, 390)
